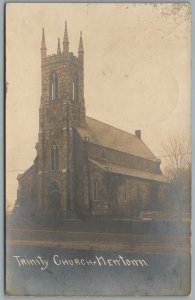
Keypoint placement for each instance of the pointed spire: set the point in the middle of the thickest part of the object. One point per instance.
(81, 50)
(65, 40)
(58, 48)
(65, 29)
(43, 43)
(43, 47)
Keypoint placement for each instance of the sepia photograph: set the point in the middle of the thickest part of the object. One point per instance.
(98, 149)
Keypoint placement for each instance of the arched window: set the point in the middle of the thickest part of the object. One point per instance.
(75, 88)
(30, 193)
(95, 190)
(103, 155)
(54, 158)
(54, 86)
(26, 193)
(122, 193)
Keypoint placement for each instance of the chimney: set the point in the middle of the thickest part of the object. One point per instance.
(138, 134)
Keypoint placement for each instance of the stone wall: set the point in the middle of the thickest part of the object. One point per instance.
(119, 158)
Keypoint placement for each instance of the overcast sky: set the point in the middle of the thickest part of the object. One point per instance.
(137, 70)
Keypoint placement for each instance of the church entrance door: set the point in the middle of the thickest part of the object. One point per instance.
(54, 197)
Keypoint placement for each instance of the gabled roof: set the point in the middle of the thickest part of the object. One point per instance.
(115, 169)
(111, 137)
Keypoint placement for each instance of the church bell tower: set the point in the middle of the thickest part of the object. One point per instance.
(62, 109)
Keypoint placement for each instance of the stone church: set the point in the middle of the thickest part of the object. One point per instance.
(84, 166)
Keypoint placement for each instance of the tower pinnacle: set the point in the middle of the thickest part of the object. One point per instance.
(58, 48)
(43, 46)
(81, 50)
(65, 40)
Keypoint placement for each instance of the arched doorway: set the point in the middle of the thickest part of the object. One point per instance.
(54, 197)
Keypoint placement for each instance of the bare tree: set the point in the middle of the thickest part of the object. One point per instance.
(176, 157)
(177, 168)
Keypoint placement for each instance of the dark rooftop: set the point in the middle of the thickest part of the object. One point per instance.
(111, 137)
